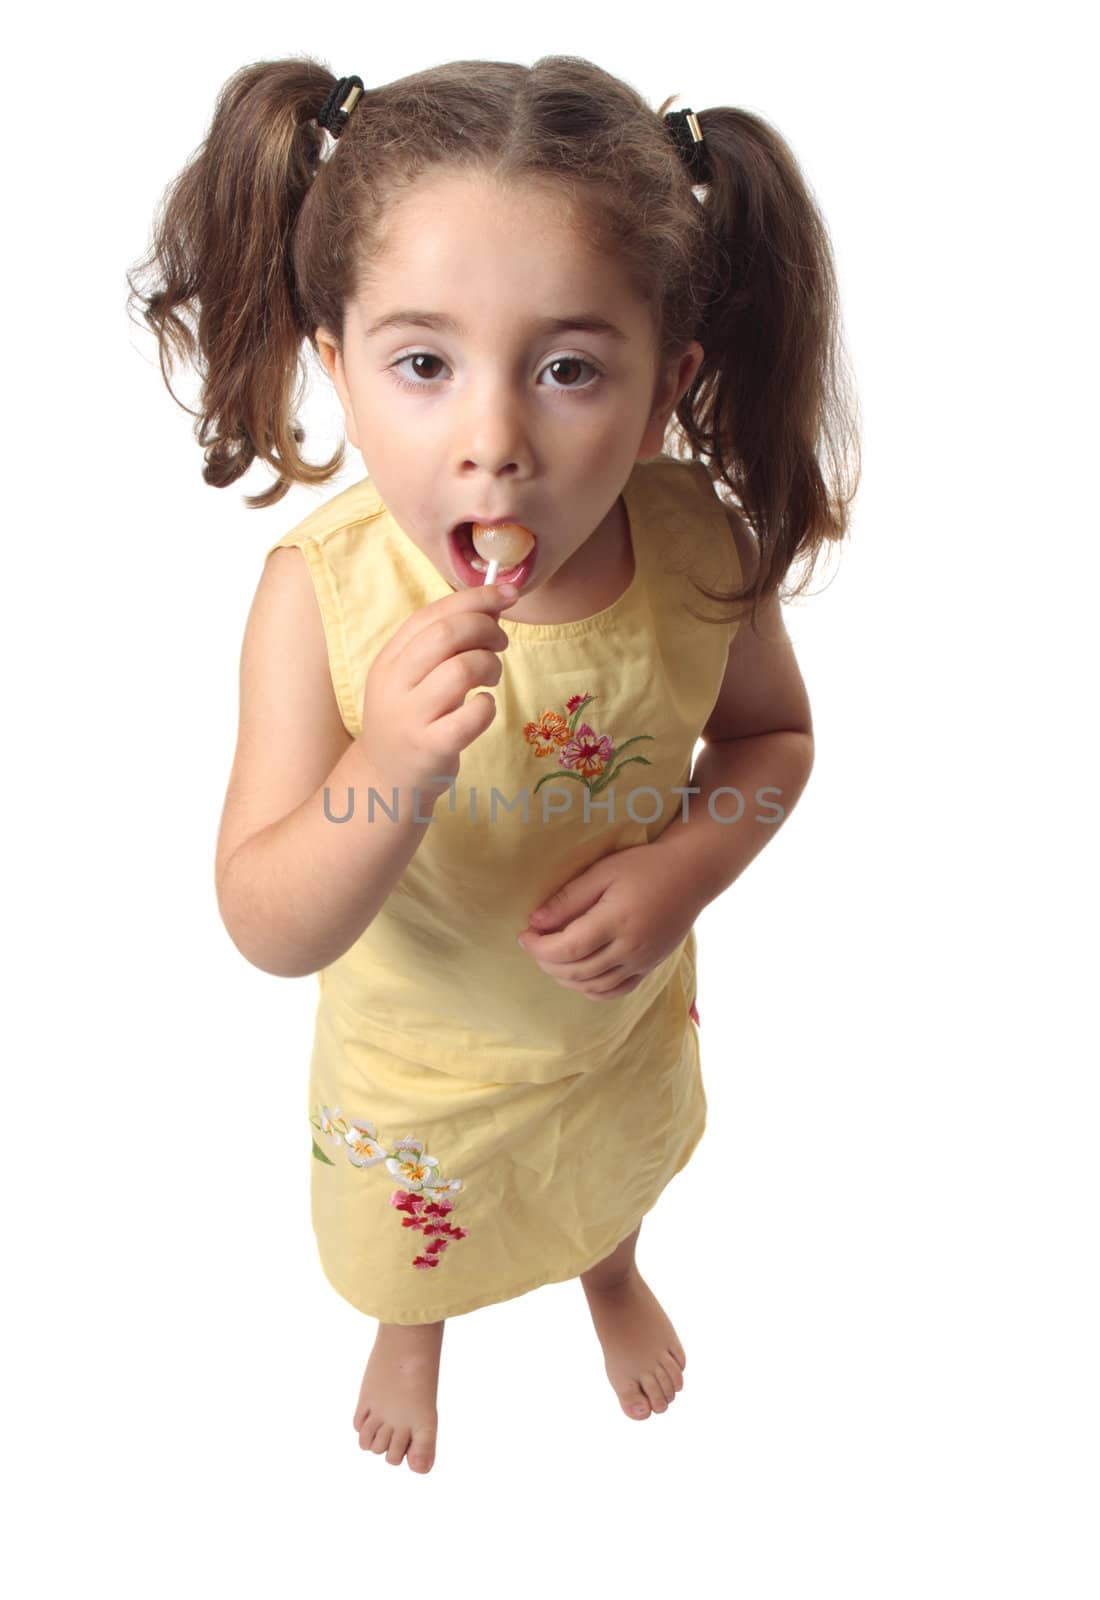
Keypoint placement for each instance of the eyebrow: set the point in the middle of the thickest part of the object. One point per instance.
(582, 322)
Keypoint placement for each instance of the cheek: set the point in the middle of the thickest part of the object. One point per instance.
(607, 450)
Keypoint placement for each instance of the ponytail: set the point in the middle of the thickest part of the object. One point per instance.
(769, 407)
(221, 249)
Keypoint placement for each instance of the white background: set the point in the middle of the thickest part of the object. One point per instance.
(882, 1261)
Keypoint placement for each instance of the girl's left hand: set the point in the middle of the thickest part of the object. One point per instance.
(604, 930)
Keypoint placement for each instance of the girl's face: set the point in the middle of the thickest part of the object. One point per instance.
(487, 413)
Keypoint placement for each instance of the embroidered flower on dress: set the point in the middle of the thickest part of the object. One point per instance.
(583, 754)
(550, 731)
(424, 1199)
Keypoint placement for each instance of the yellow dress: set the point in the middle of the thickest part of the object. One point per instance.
(477, 1130)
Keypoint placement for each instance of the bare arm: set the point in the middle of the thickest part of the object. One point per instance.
(299, 893)
(296, 889)
(759, 746)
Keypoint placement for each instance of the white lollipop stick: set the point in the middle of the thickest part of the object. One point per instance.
(513, 543)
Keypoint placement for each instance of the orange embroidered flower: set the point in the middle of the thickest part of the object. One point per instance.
(545, 735)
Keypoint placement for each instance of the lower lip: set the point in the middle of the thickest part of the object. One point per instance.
(461, 550)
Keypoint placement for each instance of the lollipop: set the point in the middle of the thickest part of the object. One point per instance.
(505, 546)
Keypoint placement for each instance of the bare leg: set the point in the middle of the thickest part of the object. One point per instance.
(611, 1271)
(396, 1410)
(643, 1357)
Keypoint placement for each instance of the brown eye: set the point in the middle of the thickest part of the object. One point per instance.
(566, 361)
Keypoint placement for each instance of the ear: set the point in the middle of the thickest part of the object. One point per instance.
(329, 351)
(671, 386)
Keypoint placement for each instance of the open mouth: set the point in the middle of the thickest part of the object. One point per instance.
(471, 568)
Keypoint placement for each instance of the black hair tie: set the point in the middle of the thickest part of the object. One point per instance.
(339, 104)
(685, 130)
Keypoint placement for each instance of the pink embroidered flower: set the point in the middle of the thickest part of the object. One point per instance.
(586, 752)
(430, 1218)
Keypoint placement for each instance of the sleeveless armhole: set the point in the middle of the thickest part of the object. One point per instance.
(332, 618)
(730, 576)
(734, 581)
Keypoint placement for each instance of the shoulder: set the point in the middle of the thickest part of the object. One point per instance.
(285, 616)
(682, 495)
(292, 729)
(763, 689)
(298, 615)
(744, 541)
(691, 477)
(328, 525)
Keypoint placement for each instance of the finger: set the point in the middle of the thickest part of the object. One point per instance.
(440, 666)
(446, 704)
(415, 647)
(580, 938)
(584, 964)
(627, 986)
(458, 728)
(593, 992)
(485, 599)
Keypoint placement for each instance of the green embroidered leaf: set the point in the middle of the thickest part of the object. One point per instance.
(320, 1155)
(574, 719)
(638, 737)
(550, 776)
(602, 783)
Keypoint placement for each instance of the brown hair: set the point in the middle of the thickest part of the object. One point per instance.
(265, 241)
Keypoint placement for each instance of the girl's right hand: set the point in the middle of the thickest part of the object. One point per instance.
(415, 725)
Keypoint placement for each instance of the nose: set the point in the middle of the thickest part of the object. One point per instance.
(493, 431)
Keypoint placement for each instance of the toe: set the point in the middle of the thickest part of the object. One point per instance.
(360, 1417)
(668, 1380)
(677, 1353)
(398, 1445)
(381, 1441)
(634, 1403)
(654, 1392)
(422, 1451)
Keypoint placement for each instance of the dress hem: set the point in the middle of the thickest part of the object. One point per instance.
(442, 1313)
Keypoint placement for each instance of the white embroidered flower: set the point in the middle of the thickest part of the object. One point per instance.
(364, 1149)
(334, 1126)
(410, 1166)
(439, 1191)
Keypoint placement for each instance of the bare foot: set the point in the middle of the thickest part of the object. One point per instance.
(644, 1359)
(396, 1411)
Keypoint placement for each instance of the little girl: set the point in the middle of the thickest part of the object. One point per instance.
(515, 277)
